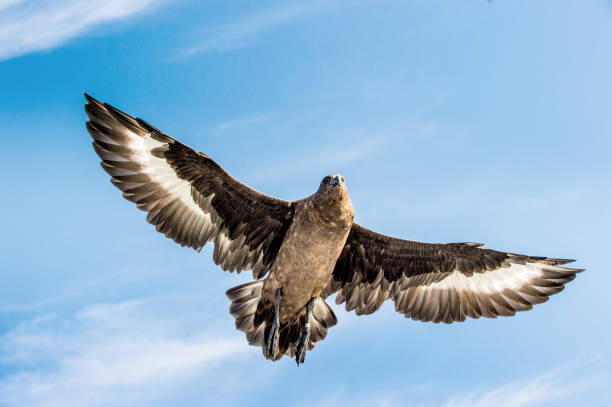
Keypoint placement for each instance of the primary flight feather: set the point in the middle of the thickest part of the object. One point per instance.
(307, 249)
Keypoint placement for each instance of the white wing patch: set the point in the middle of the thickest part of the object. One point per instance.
(500, 292)
(163, 175)
(488, 282)
(160, 190)
(127, 153)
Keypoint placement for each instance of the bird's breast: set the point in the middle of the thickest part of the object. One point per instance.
(306, 258)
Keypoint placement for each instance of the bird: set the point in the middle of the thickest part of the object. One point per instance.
(301, 252)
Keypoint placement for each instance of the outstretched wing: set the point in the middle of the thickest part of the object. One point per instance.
(441, 282)
(188, 197)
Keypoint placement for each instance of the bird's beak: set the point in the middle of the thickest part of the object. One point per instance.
(334, 181)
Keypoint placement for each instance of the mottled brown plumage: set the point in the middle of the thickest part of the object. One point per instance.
(309, 249)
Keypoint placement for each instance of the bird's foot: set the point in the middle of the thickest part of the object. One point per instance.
(273, 336)
(301, 346)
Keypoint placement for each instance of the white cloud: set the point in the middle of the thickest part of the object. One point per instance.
(334, 145)
(4, 4)
(125, 353)
(386, 399)
(549, 387)
(28, 26)
(242, 31)
(326, 158)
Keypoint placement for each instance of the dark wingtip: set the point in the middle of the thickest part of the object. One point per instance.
(92, 101)
(116, 112)
(553, 261)
(557, 262)
(148, 126)
(564, 261)
(473, 244)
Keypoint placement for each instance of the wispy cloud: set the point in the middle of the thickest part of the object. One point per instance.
(4, 4)
(547, 387)
(560, 383)
(242, 31)
(108, 354)
(334, 144)
(80, 289)
(386, 399)
(27, 26)
(328, 158)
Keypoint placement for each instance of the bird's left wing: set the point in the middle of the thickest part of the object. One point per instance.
(441, 282)
(188, 197)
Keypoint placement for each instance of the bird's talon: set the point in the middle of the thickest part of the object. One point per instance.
(301, 346)
(273, 336)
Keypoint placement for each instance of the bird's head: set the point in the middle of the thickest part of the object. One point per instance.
(334, 199)
(332, 182)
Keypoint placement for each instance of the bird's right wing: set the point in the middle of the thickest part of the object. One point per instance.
(188, 197)
(441, 282)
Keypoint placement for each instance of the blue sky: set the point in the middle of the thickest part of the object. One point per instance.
(451, 121)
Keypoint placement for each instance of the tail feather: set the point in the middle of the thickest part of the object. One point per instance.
(245, 300)
(324, 318)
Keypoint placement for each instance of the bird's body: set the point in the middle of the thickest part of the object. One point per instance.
(306, 259)
(303, 251)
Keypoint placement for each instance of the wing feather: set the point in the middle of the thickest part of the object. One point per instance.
(188, 197)
(441, 282)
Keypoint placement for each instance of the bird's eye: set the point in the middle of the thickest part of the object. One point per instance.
(342, 178)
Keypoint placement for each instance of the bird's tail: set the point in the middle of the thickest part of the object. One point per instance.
(245, 300)
(256, 321)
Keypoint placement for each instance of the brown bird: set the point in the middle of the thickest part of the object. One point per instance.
(309, 248)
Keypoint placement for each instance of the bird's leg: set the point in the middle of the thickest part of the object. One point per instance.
(301, 346)
(272, 345)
